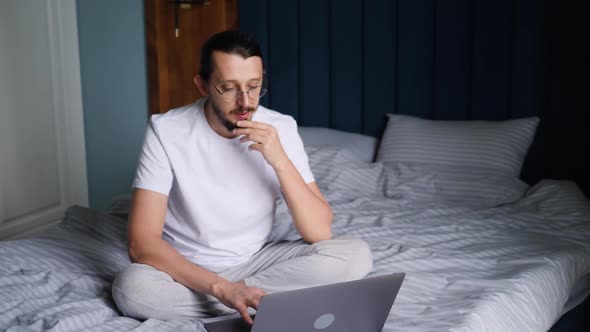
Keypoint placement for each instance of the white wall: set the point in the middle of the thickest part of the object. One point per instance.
(42, 161)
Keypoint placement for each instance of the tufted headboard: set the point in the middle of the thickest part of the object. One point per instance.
(344, 64)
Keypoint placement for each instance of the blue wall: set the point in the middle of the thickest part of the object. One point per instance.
(114, 92)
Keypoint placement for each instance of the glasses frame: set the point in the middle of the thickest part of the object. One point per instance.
(263, 91)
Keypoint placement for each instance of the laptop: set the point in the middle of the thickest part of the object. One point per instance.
(353, 306)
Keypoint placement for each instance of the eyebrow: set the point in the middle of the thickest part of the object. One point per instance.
(258, 79)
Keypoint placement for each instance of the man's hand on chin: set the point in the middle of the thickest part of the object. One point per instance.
(265, 140)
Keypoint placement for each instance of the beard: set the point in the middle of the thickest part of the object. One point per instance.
(224, 120)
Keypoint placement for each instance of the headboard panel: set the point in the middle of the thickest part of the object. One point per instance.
(344, 64)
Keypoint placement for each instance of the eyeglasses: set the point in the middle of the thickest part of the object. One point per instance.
(231, 95)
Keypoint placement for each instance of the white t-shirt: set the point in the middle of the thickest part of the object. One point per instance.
(222, 196)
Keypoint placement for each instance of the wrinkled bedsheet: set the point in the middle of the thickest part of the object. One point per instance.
(469, 267)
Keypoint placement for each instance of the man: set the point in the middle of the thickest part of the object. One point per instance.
(207, 181)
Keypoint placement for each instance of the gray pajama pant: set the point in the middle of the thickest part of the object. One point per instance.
(141, 291)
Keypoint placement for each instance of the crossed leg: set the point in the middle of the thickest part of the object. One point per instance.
(142, 292)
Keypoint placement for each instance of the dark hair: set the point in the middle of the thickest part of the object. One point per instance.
(231, 42)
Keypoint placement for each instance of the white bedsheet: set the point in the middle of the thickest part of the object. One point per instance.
(468, 267)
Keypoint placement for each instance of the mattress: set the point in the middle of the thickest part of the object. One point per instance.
(508, 267)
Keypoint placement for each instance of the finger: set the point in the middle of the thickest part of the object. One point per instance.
(244, 131)
(256, 138)
(254, 303)
(252, 124)
(260, 292)
(255, 147)
(243, 310)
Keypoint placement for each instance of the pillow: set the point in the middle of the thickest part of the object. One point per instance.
(458, 186)
(363, 147)
(323, 159)
(498, 146)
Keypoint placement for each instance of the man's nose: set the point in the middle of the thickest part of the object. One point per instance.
(244, 99)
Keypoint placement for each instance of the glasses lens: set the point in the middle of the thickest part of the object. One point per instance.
(232, 95)
(254, 92)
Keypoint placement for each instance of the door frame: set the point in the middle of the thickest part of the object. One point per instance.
(67, 89)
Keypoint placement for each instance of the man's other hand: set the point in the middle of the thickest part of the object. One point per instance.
(239, 296)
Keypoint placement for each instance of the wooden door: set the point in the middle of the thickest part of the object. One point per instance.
(175, 31)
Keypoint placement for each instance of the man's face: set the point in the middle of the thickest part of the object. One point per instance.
(231, 71)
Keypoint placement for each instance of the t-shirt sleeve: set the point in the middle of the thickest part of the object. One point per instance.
(153, 168)
(296, 152)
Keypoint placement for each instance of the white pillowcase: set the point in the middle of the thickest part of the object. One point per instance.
(497, 146)
(324, 158)
(361, 147)
(458, 186)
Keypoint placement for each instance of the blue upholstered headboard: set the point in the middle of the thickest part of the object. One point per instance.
(343, 64)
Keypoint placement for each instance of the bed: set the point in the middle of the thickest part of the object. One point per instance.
(482, 250)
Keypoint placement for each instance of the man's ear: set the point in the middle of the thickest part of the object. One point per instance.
(201, 85)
